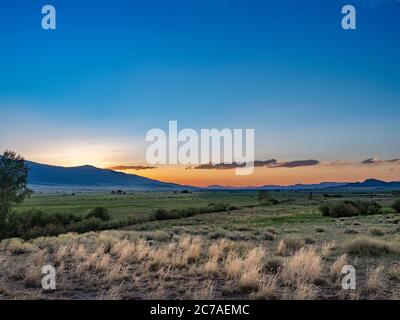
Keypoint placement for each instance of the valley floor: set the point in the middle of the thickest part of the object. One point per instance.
(284, 251)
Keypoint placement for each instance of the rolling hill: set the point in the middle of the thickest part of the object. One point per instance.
(91, 177)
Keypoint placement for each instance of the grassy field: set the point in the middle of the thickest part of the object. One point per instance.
(124, 206)
(283, 251)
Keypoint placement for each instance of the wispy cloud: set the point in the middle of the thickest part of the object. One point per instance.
(377, 161)
(271, 163)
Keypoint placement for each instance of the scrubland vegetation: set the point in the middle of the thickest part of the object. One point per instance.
(251, 250)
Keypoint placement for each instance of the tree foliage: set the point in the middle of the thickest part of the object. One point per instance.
(13, 183)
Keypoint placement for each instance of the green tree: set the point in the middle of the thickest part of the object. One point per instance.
(13, 183)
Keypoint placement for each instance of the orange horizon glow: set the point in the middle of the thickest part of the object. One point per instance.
(270, 176)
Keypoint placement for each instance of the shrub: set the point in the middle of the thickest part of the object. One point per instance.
(32, 221)
(17, 246)
(266, 199)
(290, 244)
(99, 213)
(376, 232)
(396, 206)
(163, 214)
(365, 246)
(350, 208)
(269, 236)
(35, 223)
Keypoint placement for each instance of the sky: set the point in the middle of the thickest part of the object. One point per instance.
(89, 91)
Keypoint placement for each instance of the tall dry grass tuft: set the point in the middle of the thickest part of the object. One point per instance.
(248, 269)
(289, 245)
(375, 279)
(32, 278)
(123, 250)
(327, 249)
(17, 246)
(303, 266)
(233, 265)
(211, 266)
(304, 291)
(337, 267)
(267, 288)
(39, 258)
(217, 249)
(193, 251)
(365, 246)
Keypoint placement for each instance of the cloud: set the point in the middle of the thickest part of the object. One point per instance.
(137, 168)
(336, 163)
(298, 163)
(378, 161)
(271, 163)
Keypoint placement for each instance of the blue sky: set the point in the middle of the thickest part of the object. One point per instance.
(114, 69)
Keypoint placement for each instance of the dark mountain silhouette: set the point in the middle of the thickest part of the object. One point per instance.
(322, 185)
(92, 177)
(369, 184)
(374, 184)
(89, 176)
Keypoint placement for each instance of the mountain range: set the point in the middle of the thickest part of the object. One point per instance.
(44, 176)
(369, 184)
(41, 175)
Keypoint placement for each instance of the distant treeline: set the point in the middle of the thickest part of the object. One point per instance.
(35, 223)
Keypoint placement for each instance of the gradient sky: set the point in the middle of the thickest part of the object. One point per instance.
(88, 92)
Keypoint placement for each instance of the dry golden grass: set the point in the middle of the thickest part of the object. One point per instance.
(365, 246)
(304, 291)
(268, 288)
(394, 272)
(327, 249)
(218, 248)
(158, 294)
(211, 266)
(18, 246)
(337, 266)
(304, 266)
(114, 265)
(193, 252)
(290, 244)
(113, 293)
(32, 277)
(233, 265)
(375, 279)
(206, 292)
(39, 258)
(250, 278)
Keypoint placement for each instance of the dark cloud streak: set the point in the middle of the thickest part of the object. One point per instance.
(271, 163)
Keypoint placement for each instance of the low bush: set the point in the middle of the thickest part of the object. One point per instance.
(350, 208)
(365, 246)
(99, 213)
(376, 231)
(265, 199)
(35, 223)
(396, 206)
(163, 214)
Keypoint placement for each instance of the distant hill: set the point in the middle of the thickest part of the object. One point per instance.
(46, 177)
(322, 185)
(373, 184)
(367, 185)
(89, 176)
